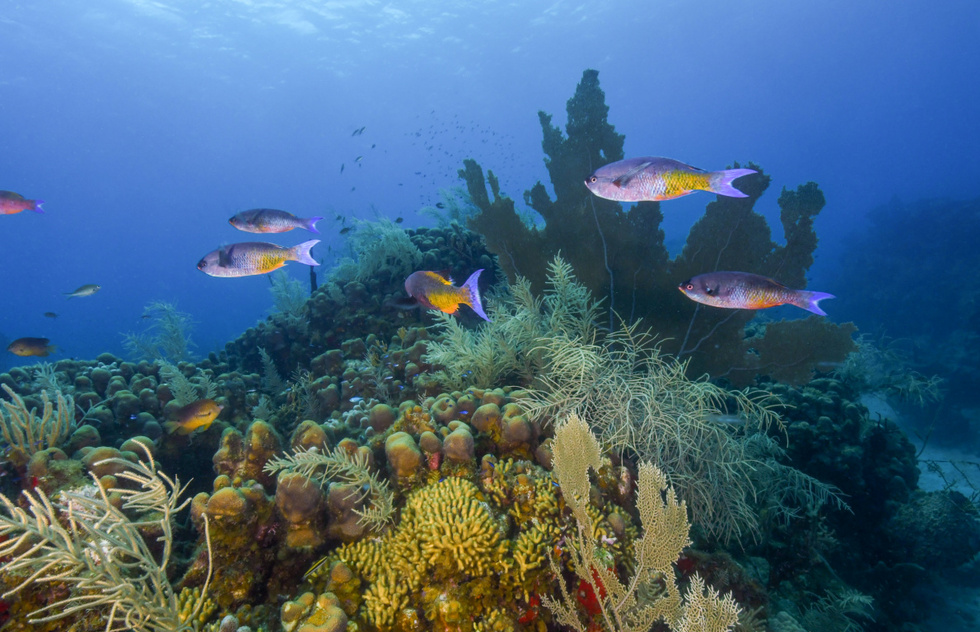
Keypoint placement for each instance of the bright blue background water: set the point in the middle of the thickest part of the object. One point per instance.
(145, 125)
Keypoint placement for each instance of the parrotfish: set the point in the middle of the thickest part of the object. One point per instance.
(199, 414)
(26, 347)
(84, 290)
(270, 220)
(656, 179)
(742, 290)
(11, 203)
(435, 291)
(254, 257)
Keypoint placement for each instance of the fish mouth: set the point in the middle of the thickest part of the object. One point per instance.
(202, 264)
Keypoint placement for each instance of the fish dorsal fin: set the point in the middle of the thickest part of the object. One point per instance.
(624, 179)
(692, 167)
(444, 273)
(224, 256)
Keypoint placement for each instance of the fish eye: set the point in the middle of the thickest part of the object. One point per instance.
(689, 286)
(593, 179)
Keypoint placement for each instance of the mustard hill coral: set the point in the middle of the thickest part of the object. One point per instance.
(451, 562)
(311, 613)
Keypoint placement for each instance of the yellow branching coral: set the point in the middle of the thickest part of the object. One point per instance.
(629, 607)
(457, 531)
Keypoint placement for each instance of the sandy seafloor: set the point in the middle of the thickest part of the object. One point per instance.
(957, 595)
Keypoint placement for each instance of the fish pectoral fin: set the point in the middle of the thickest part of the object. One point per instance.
(624, 179)
(224, 256)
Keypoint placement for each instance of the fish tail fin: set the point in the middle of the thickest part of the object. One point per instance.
(809, 301)
(472, 290)
(311, 224)
(37, 206)
(301, 252)
(721, 182)
(48, 350)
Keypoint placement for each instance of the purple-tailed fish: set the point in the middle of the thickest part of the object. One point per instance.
(84, 290)
(254, 257)
(27, 347)
(651, 179)
(199, 414)
(434, 291)
(270, 220)
(11, 203)
(742, 290)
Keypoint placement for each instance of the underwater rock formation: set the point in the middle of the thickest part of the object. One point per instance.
(620, 255)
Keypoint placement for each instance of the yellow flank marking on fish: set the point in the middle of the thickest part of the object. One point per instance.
(446, 298)
(680, 182)
(271, 261)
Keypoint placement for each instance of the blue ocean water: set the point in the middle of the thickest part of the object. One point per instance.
(145, 125)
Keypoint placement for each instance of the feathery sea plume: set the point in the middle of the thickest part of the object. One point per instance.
(97, 553)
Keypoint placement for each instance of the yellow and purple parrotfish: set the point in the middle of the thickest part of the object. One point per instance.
(434, 291)
(254, 257)
(651, 179)
(11, 203)
(26, 347)
(742, 290)
(270, 220)
(199, 414)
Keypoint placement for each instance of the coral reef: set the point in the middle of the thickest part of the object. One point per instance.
(166, 337)
(85, 547)
(651, 593)
(621, 254)
(934, 338)
(379, 469)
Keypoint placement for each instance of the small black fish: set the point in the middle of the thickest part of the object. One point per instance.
(399, 220)
(440, 205)
(50, 315)
(341, 167)
(346, 229)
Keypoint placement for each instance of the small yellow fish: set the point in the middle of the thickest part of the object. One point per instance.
(85, 290)
(26, 347)
(434, 291)
(196, 415)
